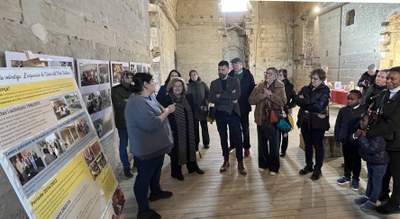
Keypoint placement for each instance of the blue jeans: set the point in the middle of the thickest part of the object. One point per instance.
(123, 143)
(268, 148)
(148, 175)
(224, 119)
(313, 139)
(375, 176)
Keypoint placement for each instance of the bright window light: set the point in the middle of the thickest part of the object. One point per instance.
(234, 5)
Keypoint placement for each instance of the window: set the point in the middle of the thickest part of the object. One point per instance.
(234, 5)
(350, 17)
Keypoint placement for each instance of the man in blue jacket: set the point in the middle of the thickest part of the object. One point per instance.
(246, 87)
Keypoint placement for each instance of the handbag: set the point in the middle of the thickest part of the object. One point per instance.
(211, 113)
(319, 121)
(291, 121)
(283, 125)
(273, 118)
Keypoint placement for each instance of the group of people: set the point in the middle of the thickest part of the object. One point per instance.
(367, 127)
(170, 124)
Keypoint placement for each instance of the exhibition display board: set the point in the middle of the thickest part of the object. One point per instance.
(49, 149)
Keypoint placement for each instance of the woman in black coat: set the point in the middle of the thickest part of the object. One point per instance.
(313, 99)
(184, 129)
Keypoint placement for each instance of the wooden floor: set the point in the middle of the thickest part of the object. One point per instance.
(256, 195)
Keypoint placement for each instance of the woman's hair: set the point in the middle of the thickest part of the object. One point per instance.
(372, 117)
(139, 79)
(284, 72)
(169, 76)
(172, 82)
(320, 73)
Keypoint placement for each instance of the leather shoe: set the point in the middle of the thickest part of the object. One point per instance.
(160, 195)
(283, 154)
(306, 170)
(388, 208)
(224, 166)
(316, 175)
(231, 149)
(149, 213)
(241, 168)
(178, 177)
(198, 171)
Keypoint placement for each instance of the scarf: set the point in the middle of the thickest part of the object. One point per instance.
(185, 128)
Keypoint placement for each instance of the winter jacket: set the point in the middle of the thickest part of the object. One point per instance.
(201, 93)
(347, 122)
(228, 97)
(119, 96)
(370, 79)
(290, 94)
(313, 101)
(388, 120)
(373, 150)
(247, 85)
(278, 99)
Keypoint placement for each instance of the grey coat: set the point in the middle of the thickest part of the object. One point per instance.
(200, 93)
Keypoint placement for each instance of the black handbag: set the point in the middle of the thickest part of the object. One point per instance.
(211, 113)
(319, 121)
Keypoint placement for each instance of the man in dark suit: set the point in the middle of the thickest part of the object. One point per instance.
(246, 87)
(388, 107)
(224, 93)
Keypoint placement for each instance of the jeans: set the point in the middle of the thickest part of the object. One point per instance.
(352, 161)
(313, 139)
(123, 143)
(148, 175)
(268, 149)
(374, 185)
(224, 119)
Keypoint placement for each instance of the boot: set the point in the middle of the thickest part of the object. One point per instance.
(241, 168)
(224, 166)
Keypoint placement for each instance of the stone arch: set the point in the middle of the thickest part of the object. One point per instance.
(390, 43)
(233, 52)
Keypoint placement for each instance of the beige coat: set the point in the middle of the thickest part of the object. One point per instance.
(257, 98)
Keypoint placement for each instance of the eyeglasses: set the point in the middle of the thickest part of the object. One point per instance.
(315, 79)
(268, 73)
(129, 77)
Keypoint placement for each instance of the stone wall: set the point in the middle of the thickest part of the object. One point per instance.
(114, 30)
(346, 50)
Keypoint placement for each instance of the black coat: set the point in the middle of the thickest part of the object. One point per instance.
(368, 78)
(247, 85)
(119, 94)
(290, 94)
(371, 94)
(347, 122)
(388, 120)
(314, 101)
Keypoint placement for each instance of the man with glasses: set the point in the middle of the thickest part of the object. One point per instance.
(120, 95)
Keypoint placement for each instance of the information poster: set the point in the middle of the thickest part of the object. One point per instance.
(94, 84)
(116, 71)
(50, 150)
(16, 59)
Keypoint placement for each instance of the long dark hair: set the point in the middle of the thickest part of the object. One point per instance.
(169, 76)
(138, 80)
